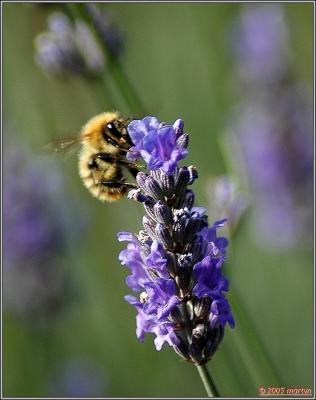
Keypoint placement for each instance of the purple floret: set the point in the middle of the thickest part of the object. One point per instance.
(220, 313)
(156, 143)
(161, 298)
(147, 324)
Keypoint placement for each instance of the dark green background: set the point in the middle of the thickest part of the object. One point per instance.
(178, 58)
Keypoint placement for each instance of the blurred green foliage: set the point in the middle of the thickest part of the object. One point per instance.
(177, 57)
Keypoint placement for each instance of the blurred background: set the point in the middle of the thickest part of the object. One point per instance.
(241, 77)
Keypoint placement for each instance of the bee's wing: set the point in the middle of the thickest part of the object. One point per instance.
(64, 146)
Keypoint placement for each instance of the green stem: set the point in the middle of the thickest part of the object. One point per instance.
(101, 86)
(127, 89)
(104, 91)
(207, 380)
(124, 85)
(249, 344)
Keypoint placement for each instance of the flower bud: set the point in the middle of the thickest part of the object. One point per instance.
(179, 229)
(202, 307)
(215, 337)
(141, 179)
(153, 188)
(178, 127)
(183, 140)
(182, 182)
(191, 229)
(149, 227)
(193, 174)
(182, 350)
(187, 200)
(175, 316)
(163, 214)
(167, 184)
(163, 236)
(137, 195)
(150, 211)
(171, 263)
(183, 280)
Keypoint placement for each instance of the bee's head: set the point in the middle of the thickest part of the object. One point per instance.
(115, 133)
(107, 132)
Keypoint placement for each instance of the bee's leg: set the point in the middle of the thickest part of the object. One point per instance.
(113, 159)
(107, 157)
(110, 158)
(133, 170)
(130, 185)
(113, 184)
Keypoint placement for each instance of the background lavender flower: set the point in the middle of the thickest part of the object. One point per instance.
(34, 237)
(176, 260)
(79, 378)
(68, 48)
(107, 29)
(273, 127)
(226, 200)
(260, 44)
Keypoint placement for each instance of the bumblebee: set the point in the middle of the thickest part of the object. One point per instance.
(104, 142)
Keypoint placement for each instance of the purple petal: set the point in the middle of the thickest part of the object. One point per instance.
(136, 130)
(156, 143)
(178, 125)
(126, 237)
(164, 334)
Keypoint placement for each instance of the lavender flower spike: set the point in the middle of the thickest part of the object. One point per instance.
(68, 48)
(176, 260)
